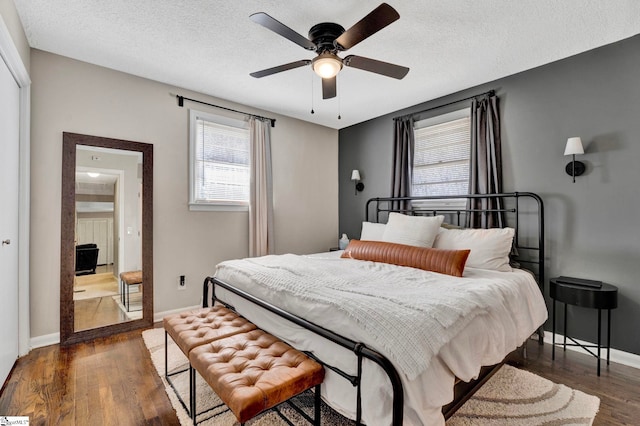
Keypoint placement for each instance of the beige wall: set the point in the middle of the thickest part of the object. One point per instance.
(72, 96)
(11, 19)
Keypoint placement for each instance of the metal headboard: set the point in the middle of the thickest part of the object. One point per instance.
(522, 210)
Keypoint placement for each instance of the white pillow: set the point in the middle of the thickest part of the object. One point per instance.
(372, 231)
(417, 231)
(490, 248)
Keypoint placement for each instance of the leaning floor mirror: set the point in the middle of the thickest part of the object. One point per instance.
(106, 250)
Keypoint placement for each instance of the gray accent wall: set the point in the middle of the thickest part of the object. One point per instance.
(592, 225)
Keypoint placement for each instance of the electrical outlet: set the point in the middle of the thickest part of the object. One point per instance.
(182, 283)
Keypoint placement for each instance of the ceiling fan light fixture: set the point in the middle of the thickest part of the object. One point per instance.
(327, 65)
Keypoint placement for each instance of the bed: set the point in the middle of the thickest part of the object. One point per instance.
(394, 339)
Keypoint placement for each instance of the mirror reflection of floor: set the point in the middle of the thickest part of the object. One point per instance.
(97, 312)
(95, 285)
(97, 301)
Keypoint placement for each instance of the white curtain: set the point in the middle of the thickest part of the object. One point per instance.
(261, 189)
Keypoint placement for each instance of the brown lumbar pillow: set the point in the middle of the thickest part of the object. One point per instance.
(450, 262)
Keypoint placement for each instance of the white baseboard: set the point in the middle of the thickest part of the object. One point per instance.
(157, 316)
(621, 357)
(45, 340)
(54, 338)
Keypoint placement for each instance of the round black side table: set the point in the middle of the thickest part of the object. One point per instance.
(604, 297)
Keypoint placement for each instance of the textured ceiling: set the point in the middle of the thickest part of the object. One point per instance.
(212, 46)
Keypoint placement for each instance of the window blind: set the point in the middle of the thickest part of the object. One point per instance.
(441, 158)
(221, 164)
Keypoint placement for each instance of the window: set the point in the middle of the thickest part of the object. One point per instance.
(219, 163)
(441, 158)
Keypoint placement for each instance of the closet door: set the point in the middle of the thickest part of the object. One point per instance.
(9, 184)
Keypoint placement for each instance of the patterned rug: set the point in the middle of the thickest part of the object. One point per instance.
(512, 397)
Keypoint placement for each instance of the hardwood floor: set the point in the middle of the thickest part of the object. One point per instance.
(112, 381)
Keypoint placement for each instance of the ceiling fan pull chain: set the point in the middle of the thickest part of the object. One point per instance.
(312, 111)
(339, 103)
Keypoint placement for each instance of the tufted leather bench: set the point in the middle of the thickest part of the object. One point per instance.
(254, 371)
(198, 327)
(127, 279)
(194, 328)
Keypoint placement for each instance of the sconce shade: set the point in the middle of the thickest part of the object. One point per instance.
(355, 176)
(573, 147)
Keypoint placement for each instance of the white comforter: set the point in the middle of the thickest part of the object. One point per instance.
(431, 326)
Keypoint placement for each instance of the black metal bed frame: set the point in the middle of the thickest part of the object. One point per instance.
(383, 205)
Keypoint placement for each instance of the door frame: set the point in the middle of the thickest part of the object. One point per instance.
(120, 196)
(9, 53)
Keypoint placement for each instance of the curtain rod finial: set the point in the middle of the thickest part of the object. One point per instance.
(180, 100)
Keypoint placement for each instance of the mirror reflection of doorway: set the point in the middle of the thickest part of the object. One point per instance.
(107, 236)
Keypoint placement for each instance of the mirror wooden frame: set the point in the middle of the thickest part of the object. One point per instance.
(67, 238)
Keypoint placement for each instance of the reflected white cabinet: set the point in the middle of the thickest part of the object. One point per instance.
(100, 232)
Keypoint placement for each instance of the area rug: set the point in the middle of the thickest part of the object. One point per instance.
(511, 397)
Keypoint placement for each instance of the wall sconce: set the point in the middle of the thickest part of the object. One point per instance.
(573, 147)
(355, 176)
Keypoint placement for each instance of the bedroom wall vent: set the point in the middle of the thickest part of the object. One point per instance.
(355, 176)
(573, 148)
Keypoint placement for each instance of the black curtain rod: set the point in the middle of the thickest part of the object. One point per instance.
(181, 100)
(490, 93)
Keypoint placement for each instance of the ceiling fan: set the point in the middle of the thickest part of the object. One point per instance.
(327, 39)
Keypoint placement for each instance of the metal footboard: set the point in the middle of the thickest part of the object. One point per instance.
(359, 349)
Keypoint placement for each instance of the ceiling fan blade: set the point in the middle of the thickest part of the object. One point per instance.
(379, 18)
(279, 28)
(280, 68)
(328, 88)
(378, 67)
